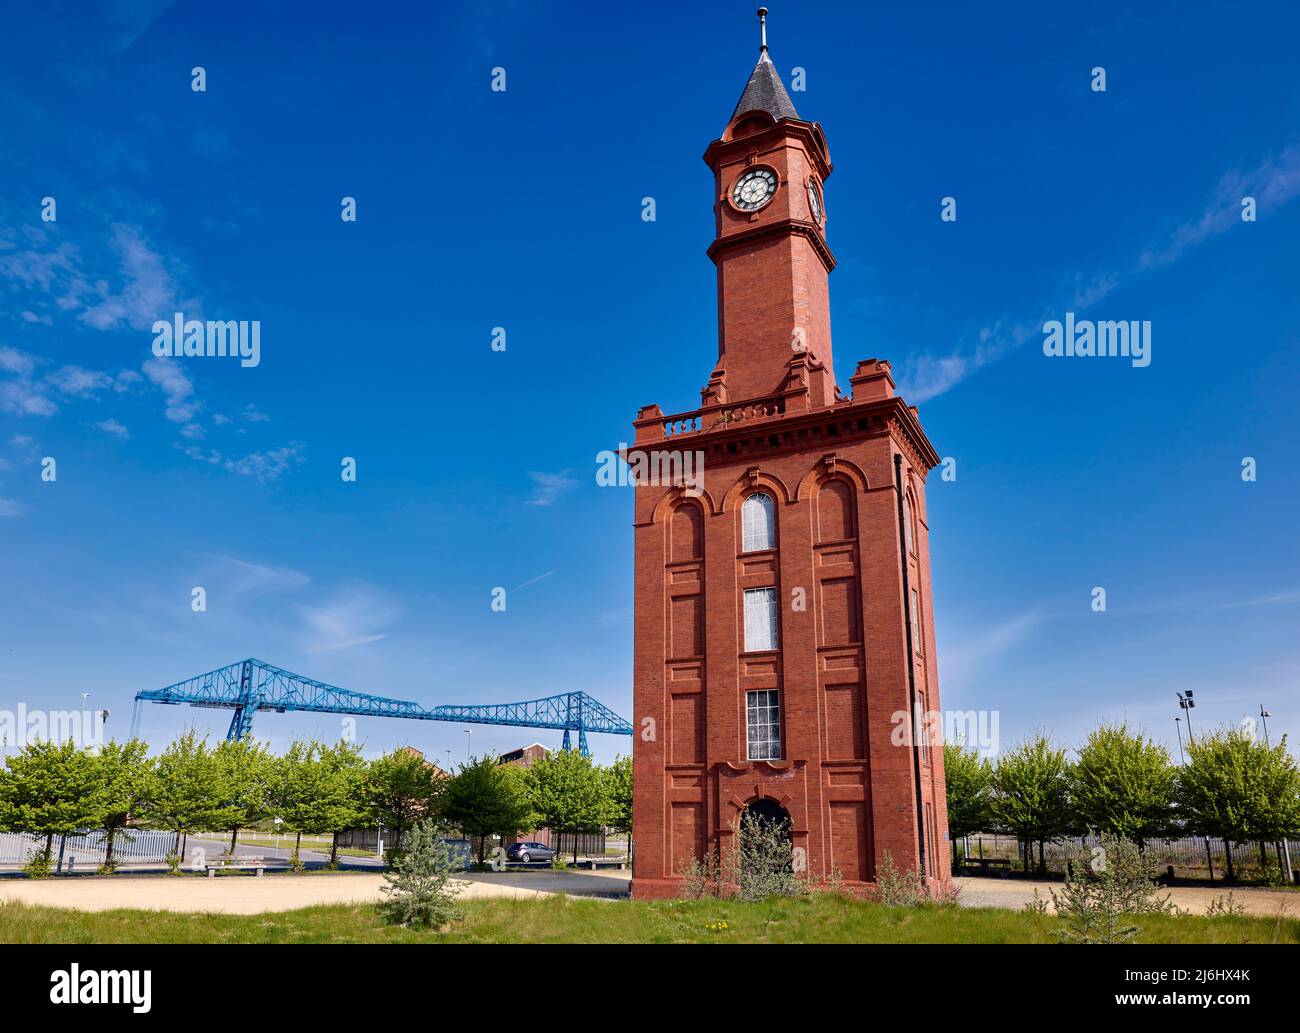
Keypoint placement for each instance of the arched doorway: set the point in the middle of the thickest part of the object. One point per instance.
(766, 812)
(765, 859)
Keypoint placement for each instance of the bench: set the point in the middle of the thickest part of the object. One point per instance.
(235, 864)
(613, 862)
(1000, 866)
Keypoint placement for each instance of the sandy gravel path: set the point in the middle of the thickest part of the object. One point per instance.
(1015, 893)
(250, 895)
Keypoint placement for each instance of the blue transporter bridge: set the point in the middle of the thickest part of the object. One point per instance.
(250, 686)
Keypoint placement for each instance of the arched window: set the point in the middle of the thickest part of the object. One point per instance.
(758, 523)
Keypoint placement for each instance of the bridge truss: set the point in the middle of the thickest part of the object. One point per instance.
(252, 686)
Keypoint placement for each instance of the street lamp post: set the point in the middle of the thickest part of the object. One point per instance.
(1186, 702)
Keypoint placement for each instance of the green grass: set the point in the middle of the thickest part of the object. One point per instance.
(822, 919)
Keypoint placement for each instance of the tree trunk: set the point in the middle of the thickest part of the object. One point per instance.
(1227, 849)
(49, 844)
(334, 851)
(176, 843)
(234, 839)
(108, 847)
(1042, 864)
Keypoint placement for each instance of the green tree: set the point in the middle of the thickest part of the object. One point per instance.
(6, 808)
(486, 798)
(1237, 789)
(618, 797)
(123, 781)
(49, 790)
(969, 782)
(340, 804)
(318, 789)
(244, 773)
(402, 788)
(1123, 784)
(187, 792)
(1031, 793)
(568, 794)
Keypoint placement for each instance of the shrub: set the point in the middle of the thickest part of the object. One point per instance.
(420, 889)
(765, 864)
(898, 888)
(40, 865)
(1104, 889)
(1225, 906)
(701, 876)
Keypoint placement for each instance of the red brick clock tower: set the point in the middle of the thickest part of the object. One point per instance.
(784, 652)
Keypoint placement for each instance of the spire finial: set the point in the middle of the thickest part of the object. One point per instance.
(762, 29)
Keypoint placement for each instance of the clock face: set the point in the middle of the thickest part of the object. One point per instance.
(815, 200)
(754, 189)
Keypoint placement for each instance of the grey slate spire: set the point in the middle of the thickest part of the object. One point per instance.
(765, 92)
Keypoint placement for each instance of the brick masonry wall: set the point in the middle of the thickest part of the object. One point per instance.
(845, 779)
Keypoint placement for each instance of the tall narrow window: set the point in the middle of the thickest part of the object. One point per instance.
(923, 727)
(758, 523)
(929, 854)
(760, 619)
(917, 639)
(763, 724)
(907, 524)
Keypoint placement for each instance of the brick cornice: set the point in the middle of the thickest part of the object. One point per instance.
(783, 228)
(809, 133)
(892, 415)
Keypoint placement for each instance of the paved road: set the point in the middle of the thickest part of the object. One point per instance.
(309, 856)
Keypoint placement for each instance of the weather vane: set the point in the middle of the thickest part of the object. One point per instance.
(762, 29)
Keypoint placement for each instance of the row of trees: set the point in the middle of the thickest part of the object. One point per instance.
(1121, 783)
(54, 789)
(564, 792)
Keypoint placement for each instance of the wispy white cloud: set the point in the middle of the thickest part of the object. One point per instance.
(14, 361)
(242, 577)
(266, 467)
(357, 615)
(12, 508)
(1273, 183)
(269, 465)
(963, 660)
(147, 293)
(111, 426)
(177, 388)
(128, 20)
(548, 487)
(78, 381)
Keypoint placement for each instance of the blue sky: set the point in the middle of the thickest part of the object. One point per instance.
(522, 209)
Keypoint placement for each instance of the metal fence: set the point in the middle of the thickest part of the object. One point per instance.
(1189, 853)
(85, 851)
